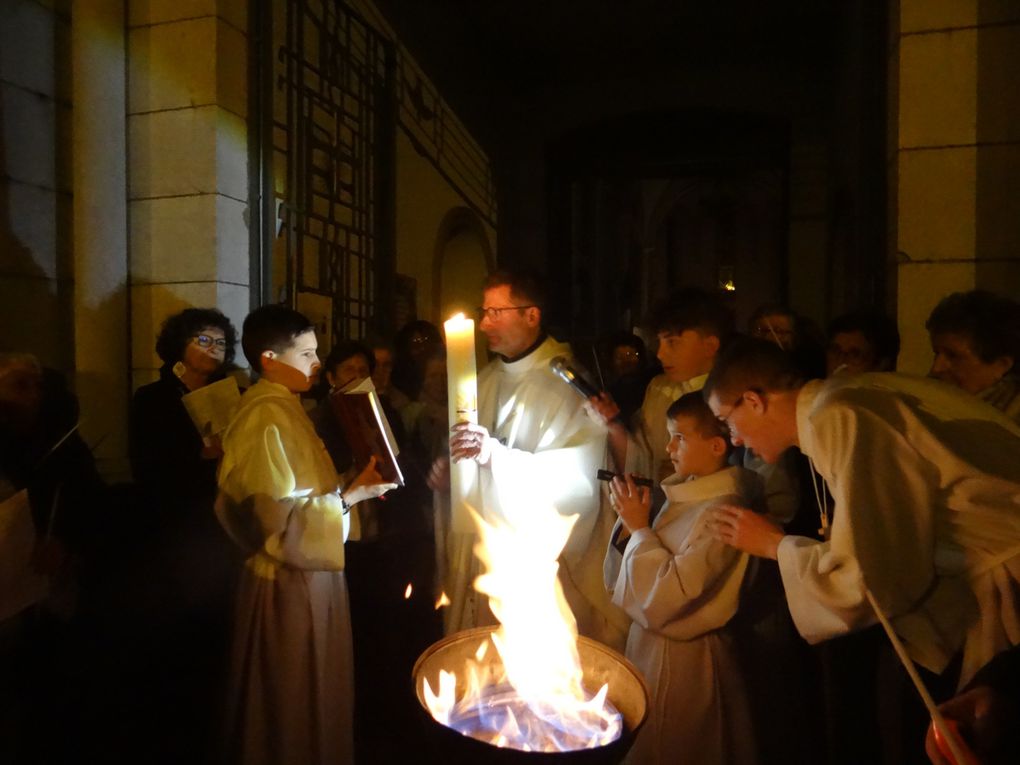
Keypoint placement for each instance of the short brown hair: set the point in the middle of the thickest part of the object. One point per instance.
(271, 328)
(752, 364)
(991, 322)
(693, 405)
(524, 285)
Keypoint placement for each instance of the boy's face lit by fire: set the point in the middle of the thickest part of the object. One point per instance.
(297, 367)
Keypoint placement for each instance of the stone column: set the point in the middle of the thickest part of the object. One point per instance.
(187, 121)
(99, 181)
(957, 158)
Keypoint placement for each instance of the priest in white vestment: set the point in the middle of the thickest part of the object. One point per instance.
(926, 487)
(534, 441)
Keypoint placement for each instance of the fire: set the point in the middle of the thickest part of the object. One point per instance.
(408, 591)
(532, 699)
(443, 601)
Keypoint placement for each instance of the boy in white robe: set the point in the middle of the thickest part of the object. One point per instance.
(680, 586)
(291, 675)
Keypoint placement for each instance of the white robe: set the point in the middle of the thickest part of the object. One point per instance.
(646, 447)
(547, 454)
(926, 484)
(680, 587)
(291, 675)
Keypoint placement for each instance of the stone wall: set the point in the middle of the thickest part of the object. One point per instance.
(188, 143)
(956, 179)
(35, 181)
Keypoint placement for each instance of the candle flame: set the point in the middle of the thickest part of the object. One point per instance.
(408, 591)
(443, 601)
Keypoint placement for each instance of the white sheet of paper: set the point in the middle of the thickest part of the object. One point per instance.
(20, 585)
(211, 407)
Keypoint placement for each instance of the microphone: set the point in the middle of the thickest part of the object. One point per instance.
(609, 475)
(561, 367)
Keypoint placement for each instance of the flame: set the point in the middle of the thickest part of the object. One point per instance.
(443, 601)
(532, 699)
(408, 591)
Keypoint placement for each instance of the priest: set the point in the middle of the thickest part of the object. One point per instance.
(536, 446)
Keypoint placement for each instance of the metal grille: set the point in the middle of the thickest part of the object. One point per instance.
(333, 86)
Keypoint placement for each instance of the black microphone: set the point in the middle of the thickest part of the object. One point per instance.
(572, 377)
(639, 480)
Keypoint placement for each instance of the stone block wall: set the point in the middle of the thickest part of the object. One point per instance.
(188, 154)
(957, 158)
(35, 181)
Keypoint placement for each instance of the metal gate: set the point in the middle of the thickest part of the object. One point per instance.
(330, 88)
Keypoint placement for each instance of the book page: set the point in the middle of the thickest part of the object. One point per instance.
(212, 407)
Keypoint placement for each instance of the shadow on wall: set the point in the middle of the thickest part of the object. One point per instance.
(35, 224)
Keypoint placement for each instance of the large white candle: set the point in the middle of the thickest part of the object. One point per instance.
(462, 382)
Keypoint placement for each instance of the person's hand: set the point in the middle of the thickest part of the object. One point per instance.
(632, 503)
(212, 447)
(602, 408)
(367, 485)
(985, 720)
(746, 530)
(439, 476)
(470, 442)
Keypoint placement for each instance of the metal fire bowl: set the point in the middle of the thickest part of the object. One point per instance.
(600, 665)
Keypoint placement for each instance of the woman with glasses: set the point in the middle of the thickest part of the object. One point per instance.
(190, 562)
(166, 451)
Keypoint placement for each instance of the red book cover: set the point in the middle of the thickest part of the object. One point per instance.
(360, 414)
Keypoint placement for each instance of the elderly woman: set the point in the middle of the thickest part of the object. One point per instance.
(975, 337)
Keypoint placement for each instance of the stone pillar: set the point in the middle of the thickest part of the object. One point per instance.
(957, 160)
(99, 181)
(187, 121)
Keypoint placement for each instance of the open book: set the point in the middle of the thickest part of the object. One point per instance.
(358, 410)
(212, 406)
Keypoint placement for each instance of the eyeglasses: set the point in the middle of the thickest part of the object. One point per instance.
(208, 341)
(725, 419)
(493, 314)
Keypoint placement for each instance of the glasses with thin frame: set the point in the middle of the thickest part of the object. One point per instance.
(494, 314)
(725, 419)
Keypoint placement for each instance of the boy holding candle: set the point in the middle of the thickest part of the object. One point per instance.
(291, 674)
(681, 586)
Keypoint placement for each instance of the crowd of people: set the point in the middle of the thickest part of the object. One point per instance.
(259, 596)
